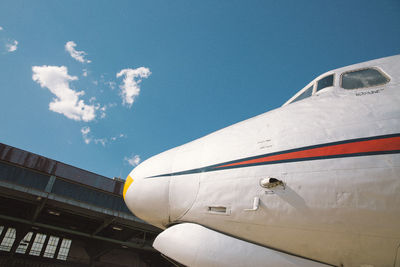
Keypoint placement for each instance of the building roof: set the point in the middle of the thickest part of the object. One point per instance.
(39, 194)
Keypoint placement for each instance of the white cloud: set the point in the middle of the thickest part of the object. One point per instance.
(77, 55)
(110, 84)
(85, 132)
(103, 112)
(11, 47)
(130, 87)
(106, 82)
(84, 73)
(67, 101)
(134, 160)
(103, 109)
(114, 138)
(98, 107)
(88, 137)
(101, 141)
(1, 28)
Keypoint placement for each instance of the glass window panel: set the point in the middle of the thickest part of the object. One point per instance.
(363, 78)
(305, 94)
(1, 229)
(51, 247)
(37, 244)
(64, 249)
(23, 245)
(8, 240)
(325, 82)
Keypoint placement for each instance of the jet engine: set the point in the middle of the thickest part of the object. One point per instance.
(194, 245)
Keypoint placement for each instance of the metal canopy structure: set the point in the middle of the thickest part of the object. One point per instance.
(54, 214)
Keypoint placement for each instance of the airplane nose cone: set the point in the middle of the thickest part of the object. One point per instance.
(147, 197)
(127, 184)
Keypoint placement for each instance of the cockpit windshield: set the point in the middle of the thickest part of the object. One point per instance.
(320, 84)
(327, 81)
(363, 78)
(305, 94)
(355, 77)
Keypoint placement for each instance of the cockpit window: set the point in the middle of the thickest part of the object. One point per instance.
(325, 82)
(363, 78)
(305, 94)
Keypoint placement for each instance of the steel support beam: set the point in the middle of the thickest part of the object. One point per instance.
(58, 247)
(72, 202)
(106, 223)
(138, 242)
(3, 233)
(40, 207)
(28, 249)
(46, 241)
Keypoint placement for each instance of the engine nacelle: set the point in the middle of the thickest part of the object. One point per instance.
(195, 245)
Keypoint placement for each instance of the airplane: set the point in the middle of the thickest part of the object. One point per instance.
(315, 182)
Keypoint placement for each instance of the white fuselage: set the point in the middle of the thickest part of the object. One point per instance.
(337, 154)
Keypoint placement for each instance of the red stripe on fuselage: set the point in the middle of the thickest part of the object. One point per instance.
(376, 145)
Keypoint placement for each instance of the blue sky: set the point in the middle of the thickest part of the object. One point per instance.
(185, 69)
